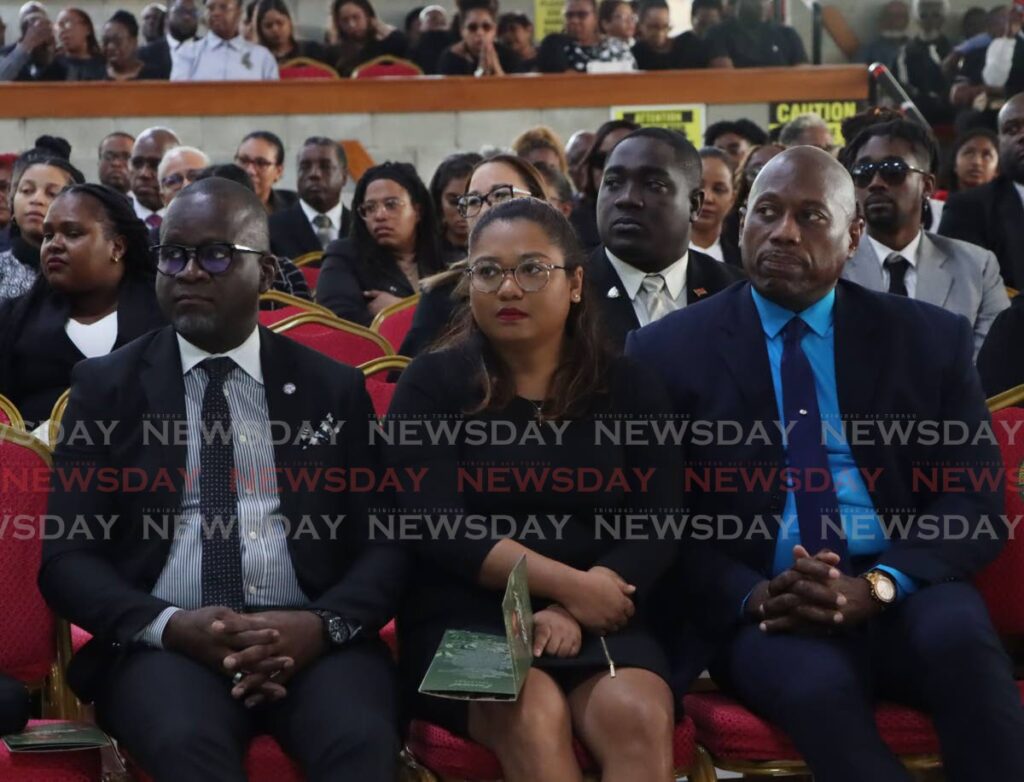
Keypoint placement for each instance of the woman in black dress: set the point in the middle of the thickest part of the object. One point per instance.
(447, 186)
(478, 52)
(121, 48)
(275, 30)
(94, 295)
(360, 36)
(391, 246)
(529, 354)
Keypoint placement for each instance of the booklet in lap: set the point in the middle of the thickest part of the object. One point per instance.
(57, 737)
(483, 666)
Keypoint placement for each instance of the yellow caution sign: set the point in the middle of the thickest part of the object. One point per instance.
(547, 18)
(832, 111)
(688, 118)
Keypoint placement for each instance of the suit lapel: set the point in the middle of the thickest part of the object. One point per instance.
(163, 387)
(742, 348)
(305, 235)
(860, 352)
(934, 280)
(865, 268)
(1011, 215)
(605, 285)
(698, 283)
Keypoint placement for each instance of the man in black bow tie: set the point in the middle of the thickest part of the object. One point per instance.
(235, 594)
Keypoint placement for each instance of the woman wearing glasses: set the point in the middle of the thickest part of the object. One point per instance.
(493, 181)
(477, 53)
(528, 355)
(392, 245)
(94, 295)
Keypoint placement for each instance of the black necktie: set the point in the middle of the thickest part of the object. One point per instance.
(897, 267)
(222, 554)
(805, 451)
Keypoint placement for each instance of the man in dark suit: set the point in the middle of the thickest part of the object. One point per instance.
(643, 269)
(318, 217)
(201, 641)
(182, 24)
(828, 593)
(991, 216)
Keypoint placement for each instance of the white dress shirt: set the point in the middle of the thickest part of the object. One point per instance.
(999, 61)
(911, 252)
(178, 48)
(1020, 191)
(143, 212)
(334, 215)
(633, 280)
(715, 250)
(215, 59)
(268, 576)
(93, 339)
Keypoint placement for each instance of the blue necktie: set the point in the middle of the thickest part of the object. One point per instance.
(806, 452)
(222, 553)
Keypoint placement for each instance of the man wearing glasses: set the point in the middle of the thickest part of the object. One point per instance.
(226, 603)
(892, 166)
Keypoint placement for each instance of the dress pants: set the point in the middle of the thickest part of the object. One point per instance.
(936, 650)
(178, 721)
(14, 705)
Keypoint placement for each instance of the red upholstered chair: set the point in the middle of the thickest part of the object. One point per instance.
(28, 638)
(380, 382)
(433, 754)
(312, 275)
(343, 341)
(275, 306)
(385, 66)
(393, 322)
(305, 68)
(9, 414)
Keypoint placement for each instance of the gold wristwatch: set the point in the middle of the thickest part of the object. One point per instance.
(883, 587)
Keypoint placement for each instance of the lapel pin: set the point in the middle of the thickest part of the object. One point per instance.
(613, 293)
(700, 292)
(289, 388)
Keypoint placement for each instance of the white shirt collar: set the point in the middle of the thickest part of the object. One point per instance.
(1020, 190)
(334, 214)
(216, 41)
(246, 355)
(142, 211)
(174, 43)
(632, 277)
(911, 252)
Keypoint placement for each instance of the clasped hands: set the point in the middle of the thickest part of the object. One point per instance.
(266, 648)
(598, 599)
(813, 597)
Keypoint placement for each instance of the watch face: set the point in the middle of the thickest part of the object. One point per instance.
(885, 589)
(338, 630)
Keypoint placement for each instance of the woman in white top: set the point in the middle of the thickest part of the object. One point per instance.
(95, 294)
(719, 196)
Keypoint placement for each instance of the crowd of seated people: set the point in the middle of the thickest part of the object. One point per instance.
(240, 40)
(625, 273)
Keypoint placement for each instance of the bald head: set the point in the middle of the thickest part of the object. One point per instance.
(147, 152)
(800, 227)
(236, 211)
(1011, 138)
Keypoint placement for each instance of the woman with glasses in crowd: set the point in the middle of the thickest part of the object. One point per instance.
(446, 188)
(360, 36)
(391, 247)
(478, 53)
(493, 181)
(617, 19)
(121, 48)
(528, 352)
(95, 294)
(39, 175)
(79, 50)
(582, 43)
(584, 216)
(261, 156)
(274, 29)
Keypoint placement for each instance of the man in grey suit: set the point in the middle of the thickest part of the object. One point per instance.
(892, 166)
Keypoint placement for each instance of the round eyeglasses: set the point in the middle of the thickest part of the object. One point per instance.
(530, 276)
(471, 203)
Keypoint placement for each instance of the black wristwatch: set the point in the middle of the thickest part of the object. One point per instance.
(337, 630)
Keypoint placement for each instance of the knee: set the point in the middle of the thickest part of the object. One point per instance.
(951, 634)
(633, 724)
(537, 723)
(188, 746)
(809, 690)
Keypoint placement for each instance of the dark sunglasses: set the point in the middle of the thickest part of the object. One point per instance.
(892, 170)
(483, 26)
(214, 258)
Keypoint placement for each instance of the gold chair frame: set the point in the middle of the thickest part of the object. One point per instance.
(332, 321)
(391, 309)
(279, 297)
(308, 258)
(13, 414)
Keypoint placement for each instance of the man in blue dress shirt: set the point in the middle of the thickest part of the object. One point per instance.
(850, 580)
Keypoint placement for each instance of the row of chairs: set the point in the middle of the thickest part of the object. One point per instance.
(379, 67)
